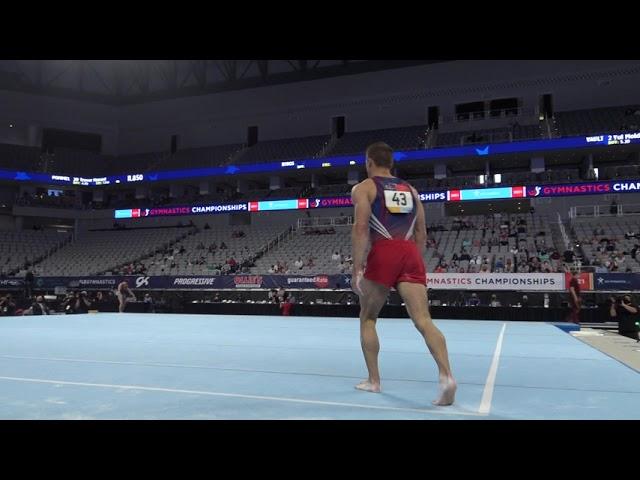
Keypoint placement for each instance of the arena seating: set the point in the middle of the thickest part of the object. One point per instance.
(92, 253)
(598, 120)
(481, 237)
(406, 138)
(286, 192)
(75, 162)
(201, 261)
(157, 251)
(331, 190)
(495, 135)
(134, 163)
(19, 157)
(616, 172)
(287, 148)
(201, 157)
(49, 201)
(608, 231)
(448, 238)
(317, 247)
(252, 194)
(27, 247)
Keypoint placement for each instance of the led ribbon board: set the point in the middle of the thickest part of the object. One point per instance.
(462, 195)
(482, 150)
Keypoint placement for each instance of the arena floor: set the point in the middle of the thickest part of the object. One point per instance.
(145, 366)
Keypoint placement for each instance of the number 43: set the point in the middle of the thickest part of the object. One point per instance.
(400, 199)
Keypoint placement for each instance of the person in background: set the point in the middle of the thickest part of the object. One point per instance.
(273, 296)
(28, 283)
(348, 300)
(575, 301)
(69, 303)
(474, 301)
(568, 255)
(7, 305)
(286, 304)
(82, 303)
(626, 313)
(38, 307)
(148, 304)
(99, 301)
(494, 301)
(124, 295)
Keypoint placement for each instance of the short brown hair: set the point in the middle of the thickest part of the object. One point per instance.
(380, 154)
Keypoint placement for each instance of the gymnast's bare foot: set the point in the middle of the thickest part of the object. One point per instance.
(368, 386)
(448, 388)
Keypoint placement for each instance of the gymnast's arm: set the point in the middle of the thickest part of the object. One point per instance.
(420, 231)
(360, 196)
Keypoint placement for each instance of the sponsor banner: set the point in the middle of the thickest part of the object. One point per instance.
(318, 281)
(585, 280)
(84, 283)
(234, 207)
(518, 192)
(437, 281)
(288, 282)
(134, 281)
(561, 190)
(11, 283)
(616, 281)
(440, 196)
(245, 281)
(622, 187)
(274, 205)
(489, 193)
(185, 282)
(584, 188)
(271, 205)
(182, 210)
(496, 281)
(330, 202)
(486, 193)
(455, 195)
(188, 282)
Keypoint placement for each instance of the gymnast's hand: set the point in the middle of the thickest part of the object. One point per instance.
(356, 280)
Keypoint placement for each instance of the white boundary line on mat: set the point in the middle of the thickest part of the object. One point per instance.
(487, 394)
(435, 411)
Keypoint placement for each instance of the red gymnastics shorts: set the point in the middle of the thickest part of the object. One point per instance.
(393, 261)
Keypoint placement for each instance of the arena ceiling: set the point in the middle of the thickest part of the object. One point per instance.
(121, 82)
